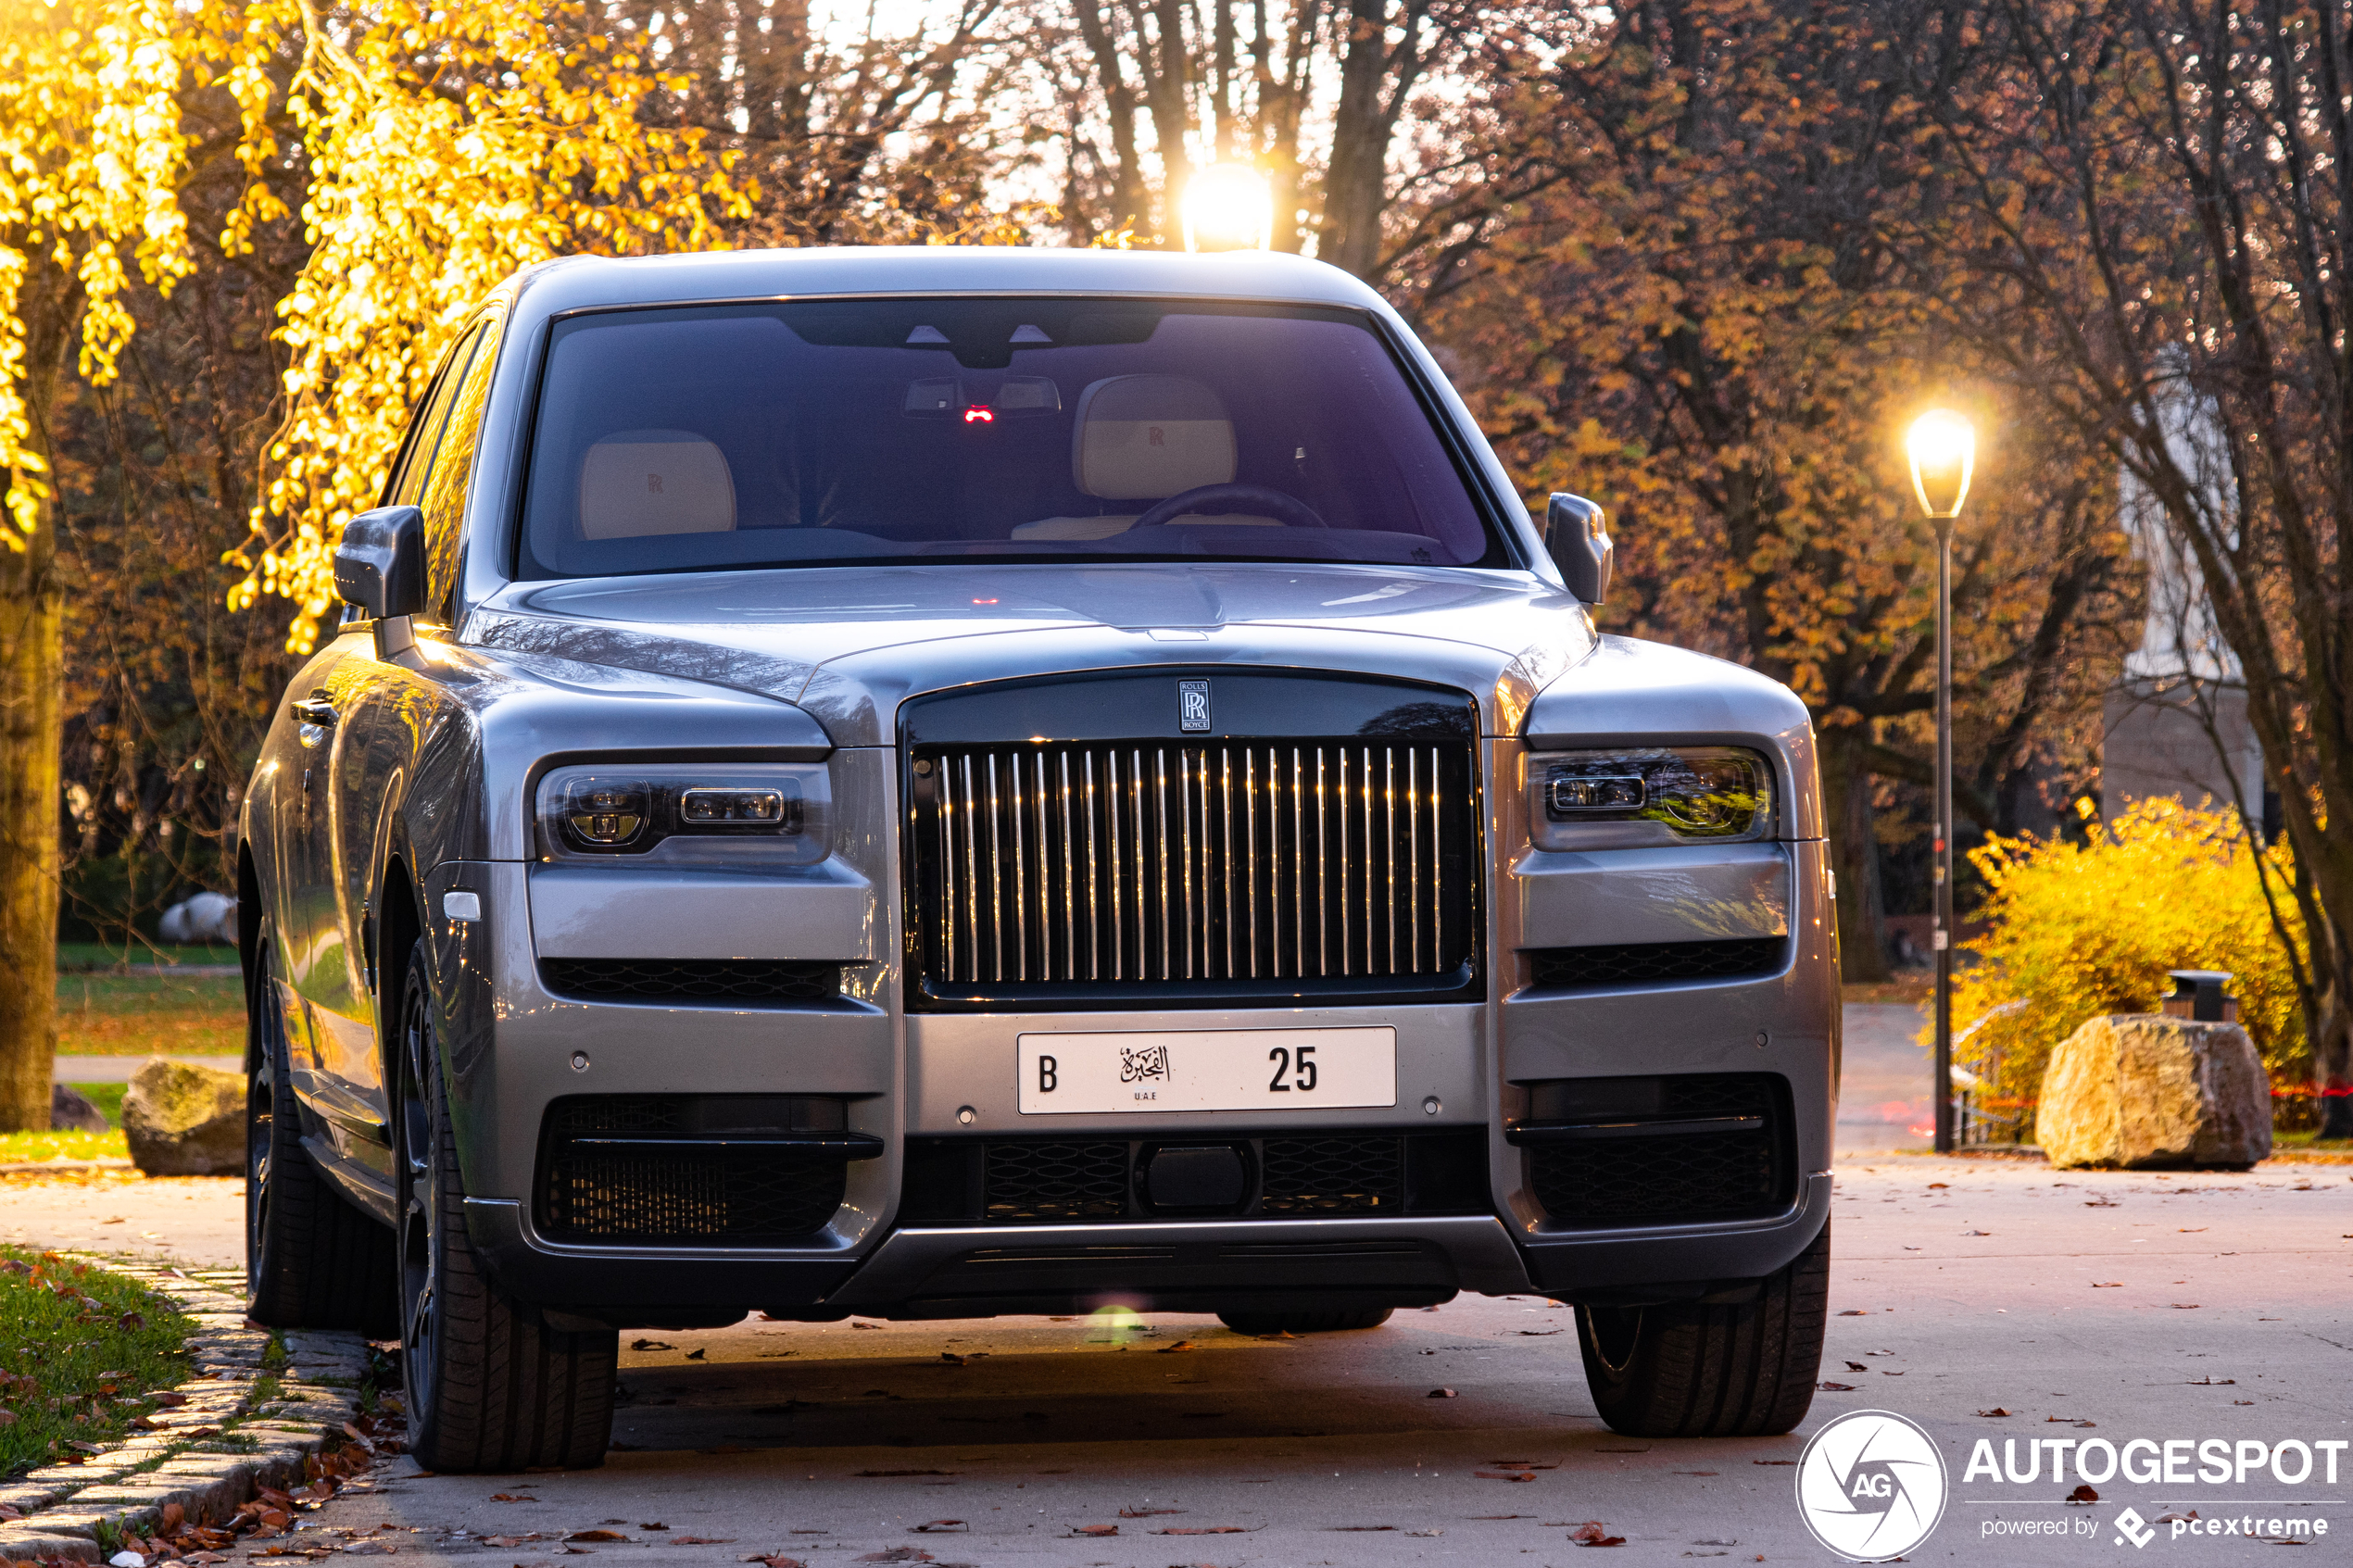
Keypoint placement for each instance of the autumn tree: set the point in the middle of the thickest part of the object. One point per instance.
(1674, 294)
(91, 155)
(1150, 90)
(2147, 203)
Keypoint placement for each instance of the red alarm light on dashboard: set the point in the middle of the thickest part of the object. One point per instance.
(979, 417)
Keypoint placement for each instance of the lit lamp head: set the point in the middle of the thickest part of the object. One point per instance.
(1227, 206)
(1942, 446)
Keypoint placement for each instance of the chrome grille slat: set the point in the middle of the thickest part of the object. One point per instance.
(1228, 861)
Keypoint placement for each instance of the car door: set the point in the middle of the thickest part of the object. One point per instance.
(341, 794)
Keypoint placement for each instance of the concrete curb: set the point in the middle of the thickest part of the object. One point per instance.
(127, 1487)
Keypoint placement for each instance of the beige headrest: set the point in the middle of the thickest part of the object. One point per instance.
(1149, 437)
(636, 482)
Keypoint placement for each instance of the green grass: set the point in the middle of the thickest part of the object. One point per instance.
(107, 1098)
(84, 955)
(17, 1148)
(150, 1014)
(76, 1373)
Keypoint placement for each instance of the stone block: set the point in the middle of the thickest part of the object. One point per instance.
(183, 1120)
(2141, 1091)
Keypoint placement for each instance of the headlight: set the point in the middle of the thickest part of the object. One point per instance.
(1654, 795)
(741, 814)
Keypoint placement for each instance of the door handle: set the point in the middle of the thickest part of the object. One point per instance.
(313, 710)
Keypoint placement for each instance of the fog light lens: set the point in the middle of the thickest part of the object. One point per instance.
(606, 814)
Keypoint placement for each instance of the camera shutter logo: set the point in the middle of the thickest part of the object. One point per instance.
(1192, 705)
(1871, 1485)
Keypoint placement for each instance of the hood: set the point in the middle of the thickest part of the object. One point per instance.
(851, 644)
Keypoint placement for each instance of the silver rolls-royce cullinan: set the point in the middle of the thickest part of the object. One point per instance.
(939, 782)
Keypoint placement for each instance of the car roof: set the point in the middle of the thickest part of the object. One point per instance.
(589, 283)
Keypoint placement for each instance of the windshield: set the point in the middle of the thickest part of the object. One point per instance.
(827, 432)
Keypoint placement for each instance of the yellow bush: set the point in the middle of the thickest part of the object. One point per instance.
(2076, 932)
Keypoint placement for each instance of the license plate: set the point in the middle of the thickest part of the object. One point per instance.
(1207, 1070)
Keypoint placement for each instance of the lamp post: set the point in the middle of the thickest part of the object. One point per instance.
(1943, 447)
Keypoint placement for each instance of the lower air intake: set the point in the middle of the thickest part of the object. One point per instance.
(698, 1176)
(1679, 1150)
(753, 982)
(1653, 964)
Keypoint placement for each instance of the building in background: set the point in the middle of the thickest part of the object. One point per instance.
(2175, 722)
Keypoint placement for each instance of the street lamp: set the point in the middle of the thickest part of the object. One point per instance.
(1943, 447)
(1227, 206)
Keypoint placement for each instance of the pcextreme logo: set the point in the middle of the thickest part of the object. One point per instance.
(1871, 1485)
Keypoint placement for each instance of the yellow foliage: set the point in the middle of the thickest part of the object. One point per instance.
(91, 159)
(2079, 932)
(447, 146)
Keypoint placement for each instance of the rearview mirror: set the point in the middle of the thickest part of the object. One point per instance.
(1576, 534)
(379, 566)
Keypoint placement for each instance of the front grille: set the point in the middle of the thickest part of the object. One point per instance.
(1046, 1181)
(1650, 963)
(1618, 1158)
(700, 1176)
(1205, 869)
(691, 980)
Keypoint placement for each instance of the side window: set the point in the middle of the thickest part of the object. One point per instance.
(424, 432)
(445, 488)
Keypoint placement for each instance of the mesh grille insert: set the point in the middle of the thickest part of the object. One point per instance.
(678, 1197)
(1645, 964)
(1671, 1178)
(1337, 1173)
(1032, 1179)
(698, 980)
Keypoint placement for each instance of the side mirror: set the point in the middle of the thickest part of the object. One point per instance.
(1576, 534)
(379, 566)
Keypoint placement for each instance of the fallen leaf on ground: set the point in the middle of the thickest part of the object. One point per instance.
(1364, 1529)
(2191, 1230)
(937, 1526)
(596, 1536)
(777, 1562)
(1856, 1366)
(1836, 1387)
(1442, 1393)
(1146, 1513)
(2186, 1306)
(1094, 1529)
(702, 1541)
(1168, 1349)
(865, 1326)
(1204, 1530)
(2107, 1285)
(1931, 1186)
(2083, 1494)
(652, 1344)
(1594, 1532)
(694, 1355)
(1996, 1410)
(2210, 1381)
(510, 1497)
(1855, 1312)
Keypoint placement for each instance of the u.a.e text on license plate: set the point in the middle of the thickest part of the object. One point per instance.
(1207, 1070)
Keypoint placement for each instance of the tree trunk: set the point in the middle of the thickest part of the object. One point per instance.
(1350, 235)
(1854, 848)
(32, 717)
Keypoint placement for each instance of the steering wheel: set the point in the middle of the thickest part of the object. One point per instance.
(1217, 499)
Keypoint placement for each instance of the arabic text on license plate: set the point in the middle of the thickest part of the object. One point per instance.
(1207, 1070)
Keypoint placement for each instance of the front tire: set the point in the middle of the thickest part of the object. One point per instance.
(1688, 1370)
(312, 1261)
(1337, 1321)
(490, 1387)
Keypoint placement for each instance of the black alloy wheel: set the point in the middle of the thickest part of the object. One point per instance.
(312, 1259)
(489, 1386)
(1691, 1369)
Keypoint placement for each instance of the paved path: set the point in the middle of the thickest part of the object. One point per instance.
(2230, 1317)
(1885, 1100)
